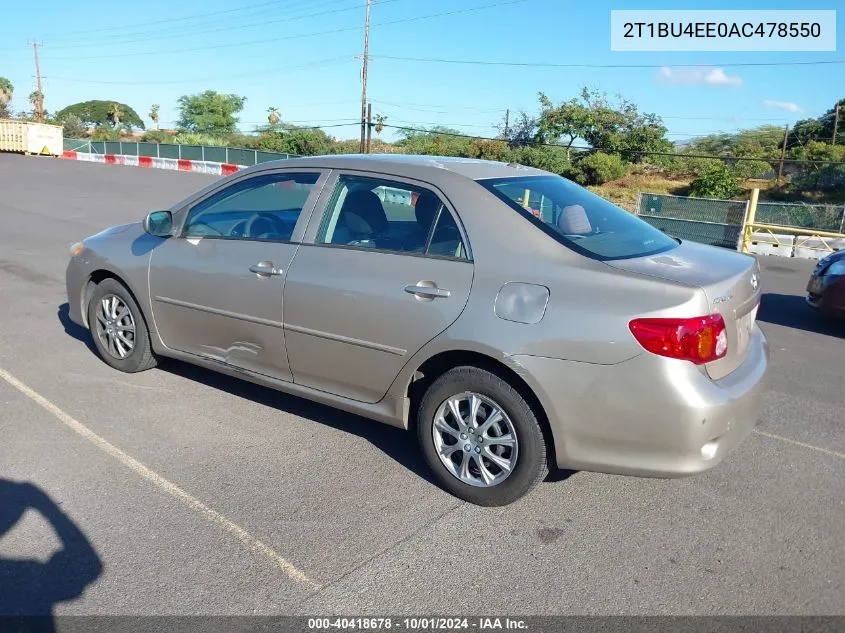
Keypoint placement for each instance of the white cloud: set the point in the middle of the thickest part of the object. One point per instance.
(695, 75)
(783, 105)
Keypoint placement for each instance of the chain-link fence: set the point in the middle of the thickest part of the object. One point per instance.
(232, 155)
(714, 222)
(823, 217)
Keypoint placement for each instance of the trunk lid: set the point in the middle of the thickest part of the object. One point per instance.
(730, 281)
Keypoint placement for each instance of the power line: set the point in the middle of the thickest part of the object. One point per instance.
(481, 62)
(411, 106)
(332, 61)
(424, 107)
(205, 31)
(170, 20)
(616, 150)
(298, 36)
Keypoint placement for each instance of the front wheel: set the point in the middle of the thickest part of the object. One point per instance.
(480, 438)
(118, 328)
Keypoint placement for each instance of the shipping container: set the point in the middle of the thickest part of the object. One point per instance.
(26, 137)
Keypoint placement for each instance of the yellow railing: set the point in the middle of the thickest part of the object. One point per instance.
(751, 227)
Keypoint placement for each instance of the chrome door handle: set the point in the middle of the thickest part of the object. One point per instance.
(265, 269)
(427, 291)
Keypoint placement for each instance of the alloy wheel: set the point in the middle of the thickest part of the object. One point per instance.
(475, 439)
(115, 326)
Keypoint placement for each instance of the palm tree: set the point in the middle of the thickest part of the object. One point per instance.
(115, 114)
(154, 113)
(380, 120)
(36, 98)
(273, 116)
(6, 90)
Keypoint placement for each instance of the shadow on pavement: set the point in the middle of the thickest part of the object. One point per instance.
(72, 329)
(793, 311)
(32, 588)
(397, 444)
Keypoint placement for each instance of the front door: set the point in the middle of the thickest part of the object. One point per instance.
(216, 289)
(387, 272)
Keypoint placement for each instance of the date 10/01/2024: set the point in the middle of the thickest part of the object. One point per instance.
(417, 624)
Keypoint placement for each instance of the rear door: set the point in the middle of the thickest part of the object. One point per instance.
(216, 289)
(383, 270)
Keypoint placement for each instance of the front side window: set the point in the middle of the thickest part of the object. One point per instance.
(578, 218)
(389, 216)
(260, 208)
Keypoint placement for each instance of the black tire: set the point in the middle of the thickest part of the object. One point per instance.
(531, 460)
(140, 357)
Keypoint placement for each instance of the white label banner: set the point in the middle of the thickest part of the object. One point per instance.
(707, 30)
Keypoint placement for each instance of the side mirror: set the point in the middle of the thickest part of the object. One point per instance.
(159, 223)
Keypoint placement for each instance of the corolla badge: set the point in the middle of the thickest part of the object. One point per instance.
(754, 281)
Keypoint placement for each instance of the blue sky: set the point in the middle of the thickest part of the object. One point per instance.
(300, 56)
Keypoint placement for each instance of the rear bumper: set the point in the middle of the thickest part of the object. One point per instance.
(649, 416)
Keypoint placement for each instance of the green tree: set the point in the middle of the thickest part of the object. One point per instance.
(273, 116)
(209, 112)
(300, 141)
(7, 90)
(823, 175)
(609, 126)
(596, 168)
(96, 113)
(521, 131)
(72, 127)
(821, 128)
(154, 114)
(717, 180)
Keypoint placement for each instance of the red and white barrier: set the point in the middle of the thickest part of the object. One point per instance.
(177, 164)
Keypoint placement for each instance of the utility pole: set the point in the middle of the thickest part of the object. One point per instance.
(364, 77)
(835, 123)
(507, 122)
(39, 102)
(783, 152)
(369, 126)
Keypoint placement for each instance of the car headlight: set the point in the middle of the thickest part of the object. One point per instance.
(836, 269)
(76, 249)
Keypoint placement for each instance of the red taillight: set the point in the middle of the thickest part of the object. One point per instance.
(699, 339)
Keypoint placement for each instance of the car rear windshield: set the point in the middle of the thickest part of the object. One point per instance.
(579, 218)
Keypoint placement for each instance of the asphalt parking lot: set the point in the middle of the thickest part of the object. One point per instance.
(194, 493)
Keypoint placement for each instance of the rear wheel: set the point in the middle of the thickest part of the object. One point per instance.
(480, 437)
(118, 328)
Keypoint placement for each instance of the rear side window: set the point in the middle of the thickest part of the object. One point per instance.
(385, 215)
(578, 218)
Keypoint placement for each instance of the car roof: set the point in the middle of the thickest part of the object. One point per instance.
(411, 166)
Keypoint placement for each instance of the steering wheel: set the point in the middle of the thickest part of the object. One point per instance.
(280, 226)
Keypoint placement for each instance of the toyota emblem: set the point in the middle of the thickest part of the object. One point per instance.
(754, 281)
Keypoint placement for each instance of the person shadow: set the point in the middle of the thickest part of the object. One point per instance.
(29, 588)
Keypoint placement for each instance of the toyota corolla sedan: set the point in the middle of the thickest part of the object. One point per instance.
(508, 317)
(826, 287)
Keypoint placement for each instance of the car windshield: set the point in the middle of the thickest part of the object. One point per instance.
(579, 218)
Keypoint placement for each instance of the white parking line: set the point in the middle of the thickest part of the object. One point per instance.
(826, 451)
(211, 515)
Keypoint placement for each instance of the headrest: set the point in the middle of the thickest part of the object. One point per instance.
(573, 220)
(363, 213)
